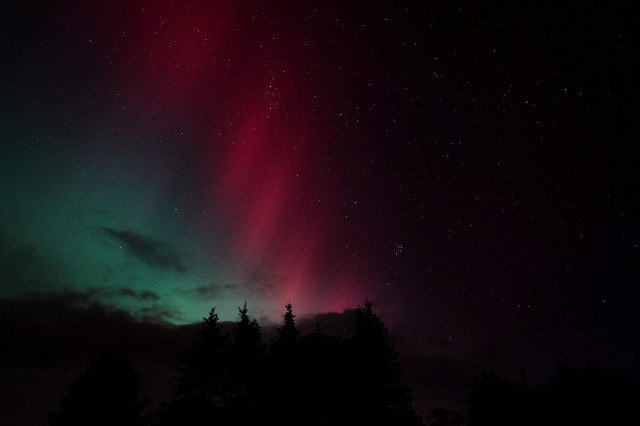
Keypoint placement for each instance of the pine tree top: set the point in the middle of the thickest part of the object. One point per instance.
(288, 331)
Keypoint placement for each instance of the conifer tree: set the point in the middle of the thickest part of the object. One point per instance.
(247, 338)
(288, 331)
(327, 390)
(381, 392)
(105, 393)
(247, 373)
(201, 369)
(288, 334)
(283, 371)
(201, 388)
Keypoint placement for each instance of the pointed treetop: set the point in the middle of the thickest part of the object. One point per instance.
(209, 327)
(247, 335)
(288, 332)
(367, 309)
(213, 317)
(367, 324)
(243, 311)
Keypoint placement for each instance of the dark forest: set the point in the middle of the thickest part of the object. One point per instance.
(317, 379)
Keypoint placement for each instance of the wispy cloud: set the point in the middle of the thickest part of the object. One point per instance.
(145, 295)
(153, 252)
(156, 313)
(208, 290)
(147, 305)
(259, 281)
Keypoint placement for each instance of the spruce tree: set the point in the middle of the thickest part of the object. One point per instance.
(246, 339)
(246, 367)
(381, 395)
(105, 393)
(288, 335)
(326, 389)
(283, 371)
(201, 388)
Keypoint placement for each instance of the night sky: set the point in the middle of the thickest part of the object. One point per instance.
(470, 167)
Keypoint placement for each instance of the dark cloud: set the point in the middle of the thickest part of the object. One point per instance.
(153, 252)
(127, 292)
(255, 282)
(258, 281)
(47, 340)
(333, 323)
(208, 290)
(154, 312)
(21, 257)
(438, 370)
(218, 291)
(65, 298)
(148, 295)
(20, 265)
(145, 295)
(107, 298)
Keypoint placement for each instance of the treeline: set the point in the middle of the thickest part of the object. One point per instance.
(572, 396)
(237, 379)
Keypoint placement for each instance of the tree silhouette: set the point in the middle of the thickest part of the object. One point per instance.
(572, 396)
(381, 393)
(286, 384)
(288, 334)
(200, 390)
(247, 336)
(326, 389)
(246, 370)
(105, 393)
(316, 379)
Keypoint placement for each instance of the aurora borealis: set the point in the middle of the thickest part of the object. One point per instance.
(469, 167)
(205, 174)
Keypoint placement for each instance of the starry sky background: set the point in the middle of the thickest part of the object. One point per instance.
(470, 167)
